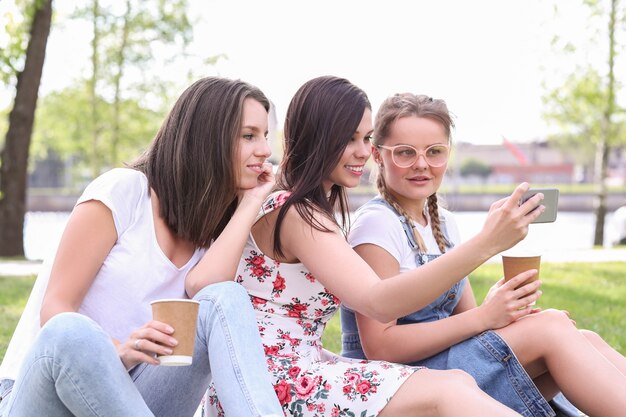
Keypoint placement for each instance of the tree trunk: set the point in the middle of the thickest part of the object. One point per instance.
(117, 79)
(604, 147)
(14, 156)
(93, 87)
(601, 193)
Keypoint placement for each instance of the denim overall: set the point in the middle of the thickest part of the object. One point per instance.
(486, 356)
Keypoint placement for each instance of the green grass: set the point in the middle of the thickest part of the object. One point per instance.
(593, 293)
(14, 293)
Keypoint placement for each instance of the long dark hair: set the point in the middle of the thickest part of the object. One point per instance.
(321, 119)
(191, 163)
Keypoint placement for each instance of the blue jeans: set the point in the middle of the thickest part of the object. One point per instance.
(73, 368)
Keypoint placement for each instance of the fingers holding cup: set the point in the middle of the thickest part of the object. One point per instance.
(514, 265)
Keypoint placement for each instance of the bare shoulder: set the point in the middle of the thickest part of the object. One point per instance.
(316, 222)
(297, 234)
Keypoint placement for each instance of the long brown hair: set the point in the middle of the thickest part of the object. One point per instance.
(321, 119)
(191, 163)
(405, 105)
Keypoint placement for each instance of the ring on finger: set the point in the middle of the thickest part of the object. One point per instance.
(136, 344)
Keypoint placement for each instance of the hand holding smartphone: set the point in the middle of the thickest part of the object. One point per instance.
(550, 202)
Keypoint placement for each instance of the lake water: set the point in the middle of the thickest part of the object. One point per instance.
(42, 231)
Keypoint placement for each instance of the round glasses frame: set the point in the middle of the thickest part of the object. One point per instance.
(418, 153)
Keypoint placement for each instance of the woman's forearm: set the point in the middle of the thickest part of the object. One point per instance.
(221, 259)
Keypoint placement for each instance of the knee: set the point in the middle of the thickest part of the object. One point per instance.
(593, 337)
(68, 328)
(554, 322)
(68, 333)
(451, 379)
(459, 378)
(435, 388)
(228, 295)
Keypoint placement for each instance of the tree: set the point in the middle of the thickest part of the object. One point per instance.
(108, 116)
(585, 106)
(64, 122)
(14, 155)
(125, 40)
(576, 108)
(475, 167)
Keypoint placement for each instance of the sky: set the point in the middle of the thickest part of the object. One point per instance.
(486, 58)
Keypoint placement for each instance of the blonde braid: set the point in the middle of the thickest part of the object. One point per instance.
(382, 189)
(435, 223)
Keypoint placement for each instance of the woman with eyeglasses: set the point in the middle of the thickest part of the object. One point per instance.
(298, 268)
(519, 355)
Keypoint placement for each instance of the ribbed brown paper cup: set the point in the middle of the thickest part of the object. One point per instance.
(513, 265)
(182, 316)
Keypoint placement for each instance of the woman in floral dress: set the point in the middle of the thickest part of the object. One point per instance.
(297, 266)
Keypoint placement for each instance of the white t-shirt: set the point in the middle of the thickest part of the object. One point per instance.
(135, 272)
(378, 225)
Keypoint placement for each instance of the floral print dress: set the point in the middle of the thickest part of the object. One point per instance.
(292, 309)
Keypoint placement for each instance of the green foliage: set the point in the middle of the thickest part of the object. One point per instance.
(593, 293)
(13, 51)
(576, 107)
(63, 125)
(131, 35)
(61, 122)
(475, 167)
(96, 128)
(139, 32)
(16, 27)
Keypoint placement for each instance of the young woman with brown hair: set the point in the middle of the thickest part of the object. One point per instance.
(183, 210)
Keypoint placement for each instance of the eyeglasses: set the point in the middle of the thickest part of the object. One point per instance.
(405, 156)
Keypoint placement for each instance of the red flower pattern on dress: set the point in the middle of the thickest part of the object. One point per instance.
(296, 308)
(286, 336)
(363, 387)
(304, 386)
(294, 371)
(258, 301)
(275, 201)
(257, 260)
(271, 350)
(255, 264)
(283, 392)
(309, 276)
(359, 382)
(279, 285)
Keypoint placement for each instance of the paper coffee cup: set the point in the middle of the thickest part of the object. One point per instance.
(181, 315)
(513, 264)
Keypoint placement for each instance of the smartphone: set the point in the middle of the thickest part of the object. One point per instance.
(550, 201)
